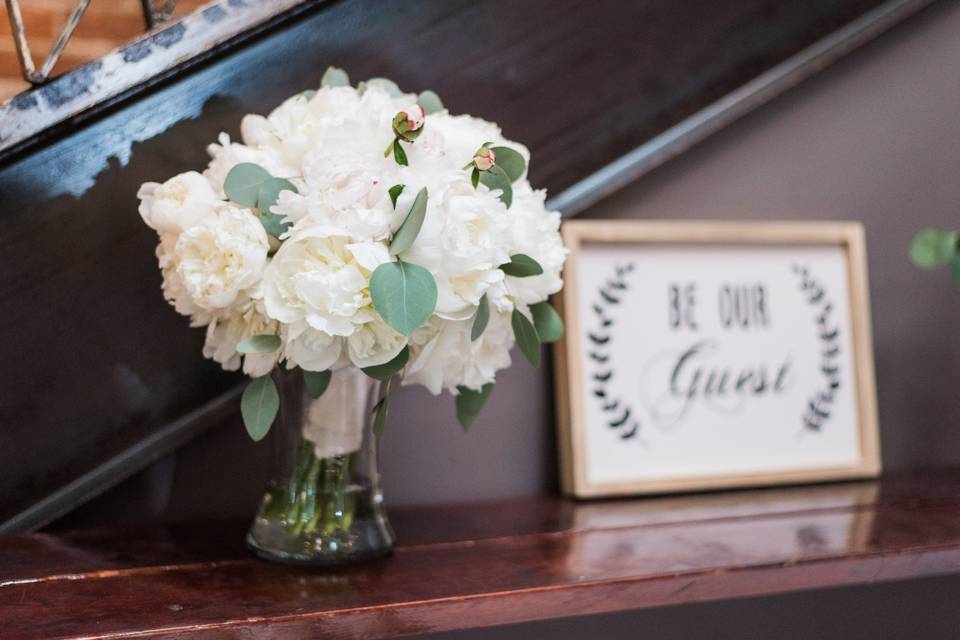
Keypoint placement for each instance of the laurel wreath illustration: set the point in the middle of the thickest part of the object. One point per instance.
(820, 406)
(620, 416)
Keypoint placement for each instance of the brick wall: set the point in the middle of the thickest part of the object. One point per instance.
(105, 25)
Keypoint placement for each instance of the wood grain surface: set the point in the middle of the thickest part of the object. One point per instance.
(487, 563)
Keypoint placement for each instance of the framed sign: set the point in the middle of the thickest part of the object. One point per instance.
(703, 355)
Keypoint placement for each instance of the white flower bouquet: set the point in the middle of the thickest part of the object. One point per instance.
(361, 227)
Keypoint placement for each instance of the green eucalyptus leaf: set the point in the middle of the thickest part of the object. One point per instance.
(547, 322)
(399, 154)
(510, 161)
(387, 85)
(243, 182)
(308, 94)
(269, 192)
(470, 402)
(259, 344)
(267, 197)
(380, 411)
(495, 178)
(521, 266)
(932, 247)
(395, 192)
(404, 294)
(481, 318)
(383, 371)
(410, 227)
(430, 102)
(259, 406)
(316, 382)
(527, 338)
(475, 177)
(334, 77)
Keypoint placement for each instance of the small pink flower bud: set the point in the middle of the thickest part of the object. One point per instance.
(484, 158)
(415, 116)
(408, 123)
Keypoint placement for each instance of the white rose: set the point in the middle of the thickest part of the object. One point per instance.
(462, 242)
(444, 356)
(226, 331)
(322, 278)
(182, 201)
(222, 256)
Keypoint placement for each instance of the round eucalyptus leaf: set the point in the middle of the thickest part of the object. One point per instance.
(511, 162)
(470, 402)
(527, 338)
(334, 77)
(481, 318)
(404, 294)
(521, 266)
(410, 227)
(259, 406)
(243, 182)
(430, 102)
(383, 371)
(933, 247)
(316, 382)
(495, 178)
(269, 192)
(386, 84)
(547, 322)
(259, 344)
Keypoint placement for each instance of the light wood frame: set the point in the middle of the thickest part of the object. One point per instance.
(569, 376)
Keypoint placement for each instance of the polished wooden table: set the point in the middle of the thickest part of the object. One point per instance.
(487, 563)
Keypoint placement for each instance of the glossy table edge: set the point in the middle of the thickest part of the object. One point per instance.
(495, 562)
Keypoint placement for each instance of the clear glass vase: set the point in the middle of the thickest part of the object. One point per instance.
(324, 506)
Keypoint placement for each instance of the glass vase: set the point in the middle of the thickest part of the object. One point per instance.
(324, 506)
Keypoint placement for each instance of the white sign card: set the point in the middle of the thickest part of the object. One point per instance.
(707, 355)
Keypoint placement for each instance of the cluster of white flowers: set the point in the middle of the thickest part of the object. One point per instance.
(310, 285)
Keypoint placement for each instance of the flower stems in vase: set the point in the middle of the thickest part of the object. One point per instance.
(317, 499)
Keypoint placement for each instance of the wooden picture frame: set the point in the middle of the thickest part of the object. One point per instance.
(748, 238)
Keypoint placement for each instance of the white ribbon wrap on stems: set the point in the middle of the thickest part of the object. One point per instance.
(335, 421)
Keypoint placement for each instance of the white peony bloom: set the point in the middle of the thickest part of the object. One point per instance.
(226, 331)
(462, 242)
(444, 357)
(322, 278)
(227, 155)
(374, 343)
(536, 233)
(182, 201)
(310, 349)
(311, 286)
(221, 257)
